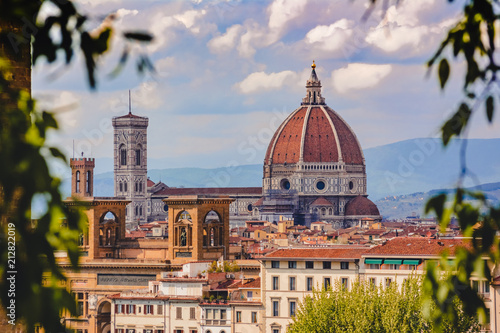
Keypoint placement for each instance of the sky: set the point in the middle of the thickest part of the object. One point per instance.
(229, 72)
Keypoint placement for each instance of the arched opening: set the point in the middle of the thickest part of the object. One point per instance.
(77, 189)
(104, 317)
(138, 156)
(108, 236)
(125, 186)
(121, 187)
(212, 217)
(205, 237)
(184, 216)
(123, 155)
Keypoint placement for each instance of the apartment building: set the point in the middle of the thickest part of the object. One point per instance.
(288, 275)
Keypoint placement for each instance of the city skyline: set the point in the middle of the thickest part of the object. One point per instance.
(229, 72)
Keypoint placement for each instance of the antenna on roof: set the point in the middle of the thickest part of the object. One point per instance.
(129, 103)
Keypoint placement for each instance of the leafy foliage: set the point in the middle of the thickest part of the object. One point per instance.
(369, 308)
(24, 172)
(471, 41)
(226, 267)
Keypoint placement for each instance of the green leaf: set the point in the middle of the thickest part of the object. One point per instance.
(444, 72)
(490, 108)
(436, 204)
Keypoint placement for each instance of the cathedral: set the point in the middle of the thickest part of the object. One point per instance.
(314, 170)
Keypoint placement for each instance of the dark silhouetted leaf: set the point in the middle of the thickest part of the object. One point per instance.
(444, 72)
(490, 108)
(139, 36)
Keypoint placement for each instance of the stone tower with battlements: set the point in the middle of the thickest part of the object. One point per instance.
(82, 177)
(130, 165)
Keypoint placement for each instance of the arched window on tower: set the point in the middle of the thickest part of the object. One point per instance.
(136, 210)
(136, 187)
(137, 157)
(140, 186)
(121, 187)
(77, 190)
(140, 210)
(212, 237)
(88, 182)
(125, 186)
(123, 155)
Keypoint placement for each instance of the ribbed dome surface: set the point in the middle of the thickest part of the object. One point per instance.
(361, 206)
(314, 133)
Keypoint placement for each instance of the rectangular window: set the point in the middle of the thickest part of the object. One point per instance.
(123, 157)
(148, 309)
(178, 313)
(159, 309)
(327, 283)
(486, 287)
(309, 284)
(138, 157)
(79, 309)
(223, 314)
(159, 331)
(238, 316)
(388, 282)
(275, 264)
(292, 283)
(345, 283)
(209, 314)
(254, 317)
(327, 265)
(148, 331)
(119, 308)
(475, 286)
(192, 313)
(130, 330)
(344, 265)
(310, 264)
(292, 264)
(216, 313)
(293, 306)
(374, 266)
(276, 309)
(276, 283)
(373, 282)
(249, 295)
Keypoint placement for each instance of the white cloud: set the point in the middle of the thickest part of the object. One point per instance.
(283, 11)
(261, 81)
(359, 76)
(331, 38)
(402, 30)
(227, 41)
(190, 17)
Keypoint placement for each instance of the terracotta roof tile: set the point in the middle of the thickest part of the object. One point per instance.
(321, 202)
(319, 253)
(416, 246)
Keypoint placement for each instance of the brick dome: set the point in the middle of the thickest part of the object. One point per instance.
(361, 206)
(314, 133)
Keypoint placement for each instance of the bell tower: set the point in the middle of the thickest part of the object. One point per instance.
(130, 165)
(82, 177)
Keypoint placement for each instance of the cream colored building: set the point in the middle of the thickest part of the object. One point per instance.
(290, 274)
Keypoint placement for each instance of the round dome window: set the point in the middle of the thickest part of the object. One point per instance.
(285, 184)
(320, 185)
(249, 207)
(351, 185)
(165, 208)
